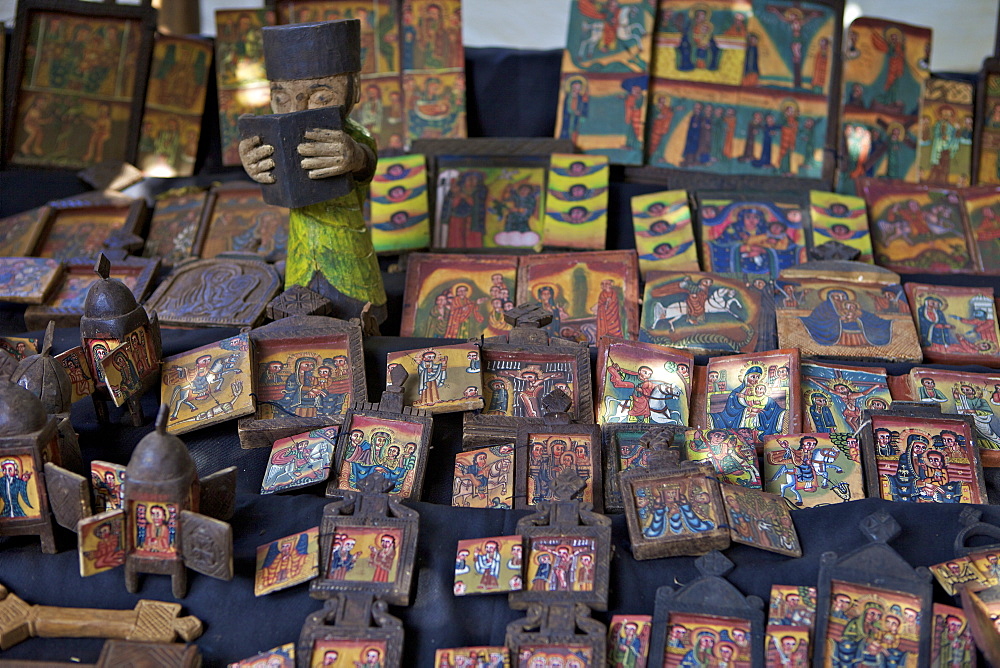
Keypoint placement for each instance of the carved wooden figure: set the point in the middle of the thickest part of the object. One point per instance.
(111, 317)
(165, 532)
(47, 379)
(567, 550)
(386, 437)
(314, 72)
(31, 482)
(354, 627)
(724, 623)
(859, 591)
(149, 621)
(559, 630)
(521, 367)
(368, 543)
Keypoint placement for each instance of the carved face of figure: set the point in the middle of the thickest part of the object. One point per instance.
(302, 94)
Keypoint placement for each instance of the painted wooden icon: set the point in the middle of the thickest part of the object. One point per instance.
(107, 481)
(962, 393)
(433, 65)
(86, 65)
(913, 453)
(24, 504)
(368, 542)
(918, 228)
(123, 369)
(207, 385)
(81, 380)
(102, 542)
(792, 605)
(309, 371)
(286, 562)
(874, 605)
(21, 232)
(517, 376)
(787, 645)
(18, 347)
(982, 206)
(673, 508)
(731, 455)
(626, 448)
(628, 640)
(576, 202)
(484, 478)
(814, 469)
(664, 235)
(589, 295)
(240, 77)
(300, 460)
(354, 652)
(240, 221)
(65, 304)
(956, 325)
(442, 379)
(959, 573)
(566, 550)
(175, 102)
(755, 394)
(987, 562)
(381, 110)
(175, 226)
(743, 87)
(552, 449)
(986, 156)
(946, 132)
(952, 640)
(25, 280)
(605, 79)
(642, 383)
(393, 444)
(886, 65)
(708, 619)
(489, 565)
(833, 396)
(282, 656)
(751, 236)
(703, 313)
(845, 310)
(112, 318)
(400, 214)
(498, 657)
(489, 202)
(761, 520)
(458, 296)
(80, 232)
(840, 218)
(242, 289)
(168, 524)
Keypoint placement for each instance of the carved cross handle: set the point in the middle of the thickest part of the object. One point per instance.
(150, 621)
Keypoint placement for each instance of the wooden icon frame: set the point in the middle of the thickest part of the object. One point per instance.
(261, 433)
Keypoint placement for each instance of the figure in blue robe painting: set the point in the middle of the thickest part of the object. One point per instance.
(576, 106)
(749, 407)
(762, 239)
(670, 508)
(840, 321)
(698, 48)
